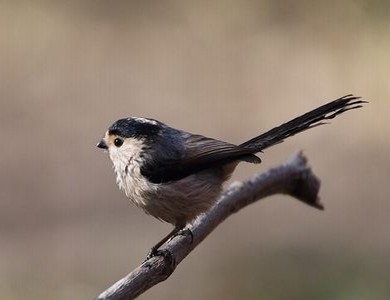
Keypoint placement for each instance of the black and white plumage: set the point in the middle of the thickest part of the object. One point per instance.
(174, 175)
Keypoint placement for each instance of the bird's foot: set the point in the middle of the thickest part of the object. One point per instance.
(166, 254)
(155, 252)
(184, 232)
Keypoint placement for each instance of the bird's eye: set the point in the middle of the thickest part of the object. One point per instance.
(118, 142)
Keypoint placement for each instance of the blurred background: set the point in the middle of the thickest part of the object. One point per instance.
(226, 69)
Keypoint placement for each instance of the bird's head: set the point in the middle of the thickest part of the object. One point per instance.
(127, 138)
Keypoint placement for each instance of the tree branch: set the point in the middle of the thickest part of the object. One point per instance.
(293, 178)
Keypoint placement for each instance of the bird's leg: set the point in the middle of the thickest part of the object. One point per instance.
(154, 250)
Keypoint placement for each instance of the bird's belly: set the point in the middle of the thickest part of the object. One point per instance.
(176, 202)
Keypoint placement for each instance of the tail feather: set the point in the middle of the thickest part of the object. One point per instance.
(308, 120)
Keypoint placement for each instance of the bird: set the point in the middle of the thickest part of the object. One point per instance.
(175, 176)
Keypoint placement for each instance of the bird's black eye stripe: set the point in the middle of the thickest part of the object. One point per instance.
(118, 142)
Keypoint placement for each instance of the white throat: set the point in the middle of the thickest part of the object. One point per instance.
(125, 162)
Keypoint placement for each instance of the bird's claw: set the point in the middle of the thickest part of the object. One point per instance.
(166, 254)
(185, 232)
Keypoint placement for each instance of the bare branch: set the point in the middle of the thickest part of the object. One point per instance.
(293, 178)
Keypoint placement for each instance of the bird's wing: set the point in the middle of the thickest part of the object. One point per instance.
(201, 150)
(200, 153)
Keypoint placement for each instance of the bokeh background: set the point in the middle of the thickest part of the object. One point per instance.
(227, 69)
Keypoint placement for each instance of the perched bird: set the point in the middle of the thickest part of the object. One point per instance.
(174, 175)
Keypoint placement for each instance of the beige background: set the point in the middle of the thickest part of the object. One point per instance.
(226, 69)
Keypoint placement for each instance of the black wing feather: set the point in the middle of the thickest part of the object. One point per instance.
(200, 153)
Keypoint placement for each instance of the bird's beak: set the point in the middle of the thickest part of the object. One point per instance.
(102, 144)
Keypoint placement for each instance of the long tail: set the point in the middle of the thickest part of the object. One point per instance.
(304, 122)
